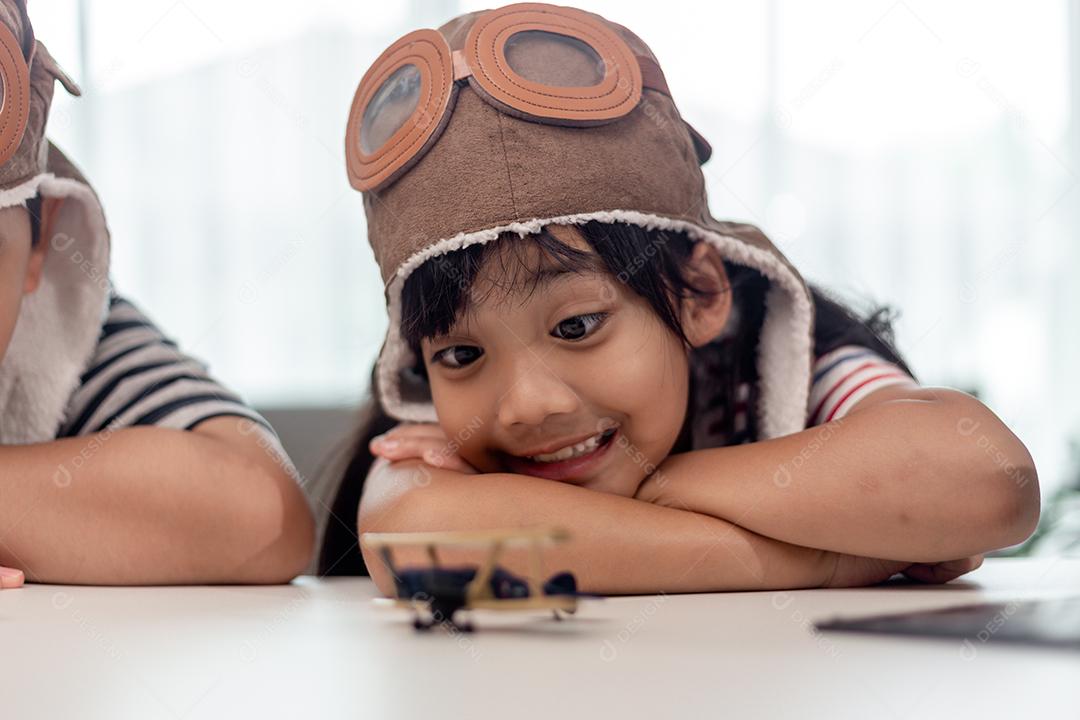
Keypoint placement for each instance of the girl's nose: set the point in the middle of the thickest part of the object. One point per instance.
(534, 393)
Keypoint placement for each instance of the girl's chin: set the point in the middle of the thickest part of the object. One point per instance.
(580, 481)
(608, 482)
(614, 485)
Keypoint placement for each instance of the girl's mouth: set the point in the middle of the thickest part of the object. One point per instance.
(568, 462)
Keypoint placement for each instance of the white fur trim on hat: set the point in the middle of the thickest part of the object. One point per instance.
(785, 351)
(59, 324)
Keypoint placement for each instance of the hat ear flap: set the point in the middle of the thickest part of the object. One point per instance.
(53, 68)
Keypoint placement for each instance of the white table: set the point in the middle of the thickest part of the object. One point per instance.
(320, 649)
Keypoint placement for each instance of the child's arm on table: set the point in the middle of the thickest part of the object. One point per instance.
(622, 545)
(150, 505)
(916, 474)
(619, 545)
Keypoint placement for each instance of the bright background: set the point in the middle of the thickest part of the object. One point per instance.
(917, 153)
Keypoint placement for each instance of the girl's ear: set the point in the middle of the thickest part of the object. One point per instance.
(49, 207)
(704, 317)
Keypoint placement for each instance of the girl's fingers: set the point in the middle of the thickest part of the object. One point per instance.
(943, 572)
(402, 433)
(956, 568)
(922, 573)
(433, 451)
(426, 441)
(448, 462)
(397, 448)
(11, 578)
(415, 430)
(405, 446)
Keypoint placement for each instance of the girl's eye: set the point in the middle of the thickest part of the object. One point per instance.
(573, 329)
(579, 326)
(459, 356)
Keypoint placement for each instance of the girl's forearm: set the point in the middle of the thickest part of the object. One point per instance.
(148, 506)
(910, 480)
(619, 545)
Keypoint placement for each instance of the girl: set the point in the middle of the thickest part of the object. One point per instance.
(574, 339)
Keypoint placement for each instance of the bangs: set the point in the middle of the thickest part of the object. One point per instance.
(647, 262)
(441, 291)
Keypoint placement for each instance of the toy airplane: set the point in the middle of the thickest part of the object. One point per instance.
(441, 592)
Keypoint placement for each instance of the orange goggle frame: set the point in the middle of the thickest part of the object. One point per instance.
(14, 94)
(538, 62)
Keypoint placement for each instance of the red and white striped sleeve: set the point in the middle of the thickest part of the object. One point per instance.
(846, 375)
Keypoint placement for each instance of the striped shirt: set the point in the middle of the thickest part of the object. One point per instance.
(140, 377)
(844, 376)
(841, 378)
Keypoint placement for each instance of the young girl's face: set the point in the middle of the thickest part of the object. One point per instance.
(579, 361)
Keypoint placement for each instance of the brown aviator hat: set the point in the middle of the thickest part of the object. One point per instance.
(529, 115)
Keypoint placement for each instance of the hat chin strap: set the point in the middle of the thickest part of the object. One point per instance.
(59, 324)
(785, 351)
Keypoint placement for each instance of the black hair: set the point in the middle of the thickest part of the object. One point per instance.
(33, 206)
(649, 262)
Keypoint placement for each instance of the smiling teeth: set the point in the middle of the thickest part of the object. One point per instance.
(570, 451)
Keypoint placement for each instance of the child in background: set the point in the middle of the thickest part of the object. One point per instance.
(121, 460)
(575, 340)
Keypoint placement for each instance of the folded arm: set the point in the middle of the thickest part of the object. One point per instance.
(150, 505)
(915, 474)
(619, 545)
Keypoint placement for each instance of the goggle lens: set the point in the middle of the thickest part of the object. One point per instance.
(552, 59)
(393, 103)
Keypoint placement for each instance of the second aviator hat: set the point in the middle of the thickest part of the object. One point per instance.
(59, 324)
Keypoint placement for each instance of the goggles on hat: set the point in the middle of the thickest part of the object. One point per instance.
(537, 62)
(14, 94)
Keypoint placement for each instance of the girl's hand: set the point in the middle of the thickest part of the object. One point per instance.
(943, 572)
(855, 571)
(424, 441)
(11, 578)
(649, 489)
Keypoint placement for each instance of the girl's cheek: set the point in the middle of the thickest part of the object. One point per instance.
(647, 379)
(636, 370)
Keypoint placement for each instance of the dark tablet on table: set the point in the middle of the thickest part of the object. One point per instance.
(1054, 622)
